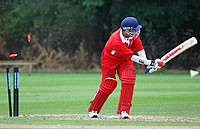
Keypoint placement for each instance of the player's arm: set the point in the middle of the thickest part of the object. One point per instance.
(142, 53)
(142, 59)
(127, 54)
(154, 64)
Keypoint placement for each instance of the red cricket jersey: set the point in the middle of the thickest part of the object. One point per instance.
(117, 51)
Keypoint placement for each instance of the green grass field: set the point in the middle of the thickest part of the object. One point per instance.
(160, 94)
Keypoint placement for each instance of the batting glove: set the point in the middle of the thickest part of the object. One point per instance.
(155, 65)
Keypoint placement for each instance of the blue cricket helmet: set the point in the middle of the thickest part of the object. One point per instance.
(130, 23)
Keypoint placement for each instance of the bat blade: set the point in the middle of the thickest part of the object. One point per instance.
(179, 49)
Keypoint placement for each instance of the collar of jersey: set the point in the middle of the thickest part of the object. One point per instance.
(124, 40)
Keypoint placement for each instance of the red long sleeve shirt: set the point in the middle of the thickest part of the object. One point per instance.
(119, 49)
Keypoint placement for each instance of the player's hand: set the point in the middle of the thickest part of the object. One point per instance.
(155, 65)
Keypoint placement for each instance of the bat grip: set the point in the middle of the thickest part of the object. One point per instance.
(147, 70)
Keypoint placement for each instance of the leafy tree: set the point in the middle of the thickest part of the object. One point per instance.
(67, 24)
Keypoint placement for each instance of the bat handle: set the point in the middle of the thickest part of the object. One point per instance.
(147, 70)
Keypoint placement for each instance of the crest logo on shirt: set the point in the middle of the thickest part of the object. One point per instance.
(113, 52)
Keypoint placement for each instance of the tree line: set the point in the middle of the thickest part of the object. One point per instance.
(72, 27)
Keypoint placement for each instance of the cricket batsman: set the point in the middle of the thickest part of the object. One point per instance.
(118, 57)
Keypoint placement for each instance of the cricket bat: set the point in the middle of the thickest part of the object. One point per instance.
(177, 50)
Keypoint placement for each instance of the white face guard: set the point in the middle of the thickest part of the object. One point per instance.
(133, 34)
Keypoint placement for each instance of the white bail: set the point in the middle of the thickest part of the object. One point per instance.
(193, 73)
